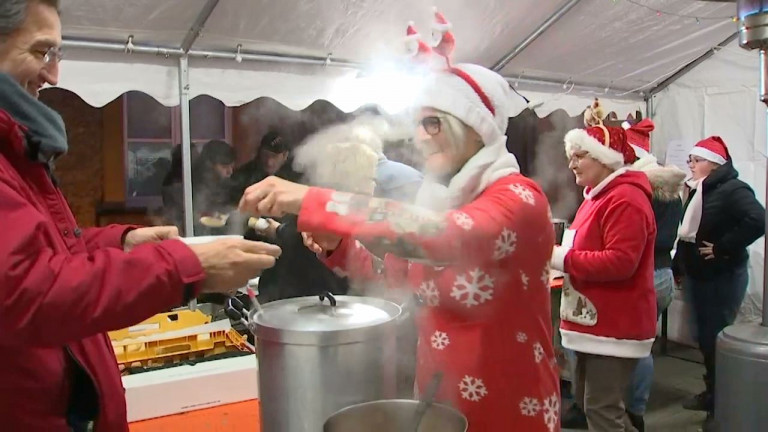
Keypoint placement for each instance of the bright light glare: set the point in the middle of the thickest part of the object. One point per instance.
(392, 89)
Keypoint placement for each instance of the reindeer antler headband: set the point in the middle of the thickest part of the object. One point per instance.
(443, 44)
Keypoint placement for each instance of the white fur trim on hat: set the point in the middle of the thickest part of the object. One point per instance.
(639, 151)
(580, 140)
(447, 92)
(708, 155)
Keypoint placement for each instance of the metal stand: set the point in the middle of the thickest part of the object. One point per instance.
(741, 379)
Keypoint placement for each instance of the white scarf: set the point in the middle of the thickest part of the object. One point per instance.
(489, 164)
(692, 218)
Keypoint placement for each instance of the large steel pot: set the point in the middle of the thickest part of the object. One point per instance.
(318, 356)
(395, 416)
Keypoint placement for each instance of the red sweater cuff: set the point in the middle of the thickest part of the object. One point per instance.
(312, 215)
(188, 266)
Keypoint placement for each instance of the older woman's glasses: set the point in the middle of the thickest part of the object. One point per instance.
(432, 125)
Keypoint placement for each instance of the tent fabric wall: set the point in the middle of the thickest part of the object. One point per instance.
(719, 97)
(99, 77)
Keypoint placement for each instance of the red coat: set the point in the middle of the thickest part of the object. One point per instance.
(62, 289)
(609, 306)
(487, 322)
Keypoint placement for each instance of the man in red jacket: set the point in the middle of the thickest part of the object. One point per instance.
(61, 287)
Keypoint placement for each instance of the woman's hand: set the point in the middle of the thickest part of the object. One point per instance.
(320, 243)
(273, 196)
(707, 251)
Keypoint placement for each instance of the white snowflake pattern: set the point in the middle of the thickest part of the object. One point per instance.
(440, 340)
(524, 279)
(505, 244)
(429, 293)
(473, 288)
(530, 406)
(551, 412)
(463, 220)
(524, 193)
(538, 352)
(545, 276)
(472, 389)
(522, 337)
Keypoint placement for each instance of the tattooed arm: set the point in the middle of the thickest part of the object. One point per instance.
(479, 231)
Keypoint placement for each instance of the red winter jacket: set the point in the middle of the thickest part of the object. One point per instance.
(608, 303)
(61, 290)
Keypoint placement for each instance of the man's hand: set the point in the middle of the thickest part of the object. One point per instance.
(273, 196)
(230, 263)
(319, 243)
(148, 235)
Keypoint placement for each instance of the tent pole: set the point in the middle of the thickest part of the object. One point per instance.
(197, 26)
(576, 85)
(764, 99)
(687, 68)
(223, 55)
(549, 22)
(186, 153)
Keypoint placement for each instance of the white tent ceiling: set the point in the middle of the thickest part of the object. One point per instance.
(624, 46)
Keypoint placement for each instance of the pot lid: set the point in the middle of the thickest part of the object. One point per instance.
(310, 314)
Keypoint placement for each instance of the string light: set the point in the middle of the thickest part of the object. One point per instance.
(698, 19)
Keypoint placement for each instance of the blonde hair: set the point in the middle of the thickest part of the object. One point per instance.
(341, 157)
(454, 129)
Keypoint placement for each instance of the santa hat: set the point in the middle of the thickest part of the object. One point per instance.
(607, 145)
(712, 149)
(639, 136)
(475, 95)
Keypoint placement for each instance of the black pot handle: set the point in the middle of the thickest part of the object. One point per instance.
(331, 298)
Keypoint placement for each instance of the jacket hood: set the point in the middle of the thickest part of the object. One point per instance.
(666, 181)
(623, 176)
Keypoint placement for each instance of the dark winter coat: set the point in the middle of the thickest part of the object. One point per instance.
(731, 219)
(298, 272)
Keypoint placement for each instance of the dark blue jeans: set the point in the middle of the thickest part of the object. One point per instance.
(715, 303)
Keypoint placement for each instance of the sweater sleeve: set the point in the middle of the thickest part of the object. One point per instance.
(625, 233)
(751, 222)
(469, 234)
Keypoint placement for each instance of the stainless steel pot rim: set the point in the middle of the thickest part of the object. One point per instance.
(309, 314)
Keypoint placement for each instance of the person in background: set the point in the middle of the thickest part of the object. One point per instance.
(62, 287)
(172, 191)
(336, 157)
(722, 218)
(210, 173)
(394, 180)
(667, 184)
(271, 159)
(608, 305)
(476, 249)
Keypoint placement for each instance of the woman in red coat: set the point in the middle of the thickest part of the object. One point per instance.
(476, 248)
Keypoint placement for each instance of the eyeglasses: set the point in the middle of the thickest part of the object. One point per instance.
(52, 55)
(432, 125)
(694, 160)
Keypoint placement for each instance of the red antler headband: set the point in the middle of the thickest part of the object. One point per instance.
(444, 43)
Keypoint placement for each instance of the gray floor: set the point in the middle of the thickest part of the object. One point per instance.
(677, 377)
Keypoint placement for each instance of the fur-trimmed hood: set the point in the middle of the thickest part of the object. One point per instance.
(666, 181)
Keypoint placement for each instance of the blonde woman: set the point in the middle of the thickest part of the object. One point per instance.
(476, 249)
